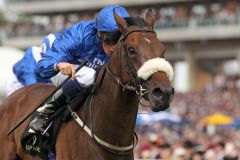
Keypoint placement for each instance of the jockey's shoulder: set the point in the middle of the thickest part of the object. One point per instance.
(85, 27)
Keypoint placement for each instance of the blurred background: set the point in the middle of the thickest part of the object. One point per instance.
(203, 44)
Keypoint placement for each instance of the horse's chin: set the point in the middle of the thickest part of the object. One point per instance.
(157, 109)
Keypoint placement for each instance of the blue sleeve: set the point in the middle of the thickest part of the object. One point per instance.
(64, 49)
(28, 67)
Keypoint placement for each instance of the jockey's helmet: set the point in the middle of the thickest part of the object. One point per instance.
(105, 21)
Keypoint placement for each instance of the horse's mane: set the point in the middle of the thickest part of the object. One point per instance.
(135, 21)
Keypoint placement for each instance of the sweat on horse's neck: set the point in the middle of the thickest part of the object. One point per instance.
(114, 111)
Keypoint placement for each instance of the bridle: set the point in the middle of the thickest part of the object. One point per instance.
(135, 85)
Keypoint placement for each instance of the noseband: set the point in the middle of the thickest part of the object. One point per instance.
(136, 82)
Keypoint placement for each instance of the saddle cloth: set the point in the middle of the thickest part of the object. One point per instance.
(43, 146)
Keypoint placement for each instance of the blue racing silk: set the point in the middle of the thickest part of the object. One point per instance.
(75, 44)
(25, 68)
(47, 42)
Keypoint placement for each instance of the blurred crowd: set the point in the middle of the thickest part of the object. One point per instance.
(195, 140)
(179, 15)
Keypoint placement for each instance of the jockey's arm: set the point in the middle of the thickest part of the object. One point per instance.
(64, 49)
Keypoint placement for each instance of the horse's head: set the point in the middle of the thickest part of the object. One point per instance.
(142, 61)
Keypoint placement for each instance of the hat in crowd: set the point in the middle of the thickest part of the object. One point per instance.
(179, 152)
(230, 150)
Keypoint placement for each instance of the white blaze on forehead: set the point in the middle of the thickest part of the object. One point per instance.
(154, 65)
(147, 40)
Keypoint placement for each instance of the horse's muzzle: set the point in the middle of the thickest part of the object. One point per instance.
(161, 97)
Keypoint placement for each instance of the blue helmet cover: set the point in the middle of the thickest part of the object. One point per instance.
(105, 21)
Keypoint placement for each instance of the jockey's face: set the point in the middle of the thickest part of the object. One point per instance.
(108, 49)
(109, 40)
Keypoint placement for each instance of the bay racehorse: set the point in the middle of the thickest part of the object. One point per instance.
(137, 69)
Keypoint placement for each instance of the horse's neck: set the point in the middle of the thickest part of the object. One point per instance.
(114, 113)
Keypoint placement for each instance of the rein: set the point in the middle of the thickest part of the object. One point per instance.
(138, 89)
(136, 86)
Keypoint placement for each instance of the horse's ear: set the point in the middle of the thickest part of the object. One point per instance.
(122, 24)
(149, 19)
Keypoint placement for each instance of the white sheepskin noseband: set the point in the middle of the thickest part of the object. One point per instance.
(154, 65)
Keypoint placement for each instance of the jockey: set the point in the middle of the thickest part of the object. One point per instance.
(23, 73)
(94, 40)
(47, 42)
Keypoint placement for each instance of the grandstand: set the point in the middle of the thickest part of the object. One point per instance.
(195, 32)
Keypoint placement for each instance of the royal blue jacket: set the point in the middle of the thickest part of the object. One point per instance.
(73, 45)
(25, 68)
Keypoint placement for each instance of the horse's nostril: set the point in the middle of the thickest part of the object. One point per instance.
(157, 93)
(173, 91)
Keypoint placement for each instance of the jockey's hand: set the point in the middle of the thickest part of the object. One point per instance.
(67, 69)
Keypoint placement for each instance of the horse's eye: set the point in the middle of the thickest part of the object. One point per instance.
(131, 51)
